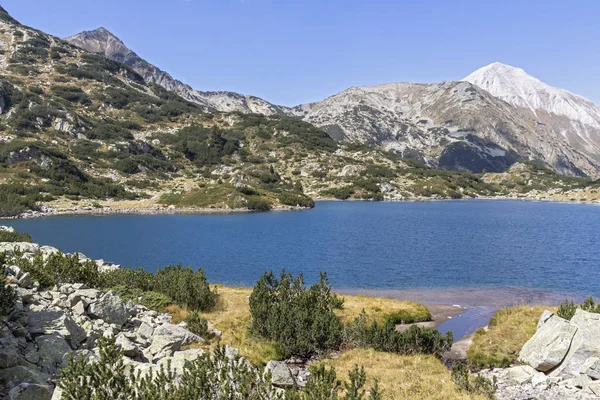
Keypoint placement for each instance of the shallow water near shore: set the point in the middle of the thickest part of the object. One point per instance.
(473, 246)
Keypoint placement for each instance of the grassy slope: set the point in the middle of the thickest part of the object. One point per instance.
(509, 329)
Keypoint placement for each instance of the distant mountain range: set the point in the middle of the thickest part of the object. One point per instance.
(491, 119)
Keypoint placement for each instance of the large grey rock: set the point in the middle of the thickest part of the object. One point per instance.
(8, 356)
(127, 346)
(180, 358)
(585, 344)
(281, 374)
(550, 344)
(46, 322)
(520, 375)
(26, 391)
(186, 336)
(10, 377)
(545, 317)
(109, 308)
(145, 330)
(52, 351)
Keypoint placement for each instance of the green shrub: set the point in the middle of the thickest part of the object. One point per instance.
(186, 287)
(300, 319)
(567, 308)
(404, 317)
(197, 325)
(211, 376)
(8, 297)
(343, 193)
(71, 93)
(6, 236)
(153, 300)
(16, 199)
(384, 337)
(60, 268)
(478, 385)
(256, 203)
(178, 285)
(323, 384)
(293, 199)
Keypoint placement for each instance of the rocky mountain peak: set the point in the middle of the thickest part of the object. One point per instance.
(515, 86)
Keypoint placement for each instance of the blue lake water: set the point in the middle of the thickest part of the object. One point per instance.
(434, 246)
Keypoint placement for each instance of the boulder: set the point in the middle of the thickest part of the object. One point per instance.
(26, 391)
(52, 351)
(10, 377)
(281, 374)
(180, 358)
(585, 344)
(109, 308)
(127, 346)
(550, 344)
(520, 375)
(8, 356)
(545, 317)
(45, 322)
(145, 330)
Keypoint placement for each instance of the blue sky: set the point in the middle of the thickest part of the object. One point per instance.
(296, 51)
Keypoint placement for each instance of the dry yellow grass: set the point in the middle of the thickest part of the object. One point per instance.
(232, 318)
(401, 377)
(378, 308)
(509, 329)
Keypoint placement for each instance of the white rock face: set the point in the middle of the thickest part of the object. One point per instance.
(568, 115)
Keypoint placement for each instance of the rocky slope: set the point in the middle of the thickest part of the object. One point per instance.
(452, 125)
(48, 325)
(563, 114)
(561, 361)
(449, 125)
(104, 42)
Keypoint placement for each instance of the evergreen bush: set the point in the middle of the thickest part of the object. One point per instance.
(300, 319)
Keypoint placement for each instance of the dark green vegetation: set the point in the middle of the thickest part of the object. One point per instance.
(473, 385)
(7, 236)
(210, 376)
(384, 337)
(170, 285)
(323, 384)
(301, 320)
(198, 325)
(567, 308)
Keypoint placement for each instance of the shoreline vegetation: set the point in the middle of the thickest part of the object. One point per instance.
(282, 322)
(116, 208)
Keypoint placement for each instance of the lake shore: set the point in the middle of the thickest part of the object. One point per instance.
(124, 207)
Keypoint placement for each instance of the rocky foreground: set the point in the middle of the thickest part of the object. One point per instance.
(47, 327)
(562, 361)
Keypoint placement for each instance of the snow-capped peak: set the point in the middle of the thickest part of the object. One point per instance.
(517, 87)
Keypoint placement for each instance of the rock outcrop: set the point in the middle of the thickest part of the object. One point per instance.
(49, 325)
(562, 361)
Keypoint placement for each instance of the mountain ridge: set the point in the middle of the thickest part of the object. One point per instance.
(397, 117)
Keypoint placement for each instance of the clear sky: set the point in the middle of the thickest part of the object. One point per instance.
(296, 51)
